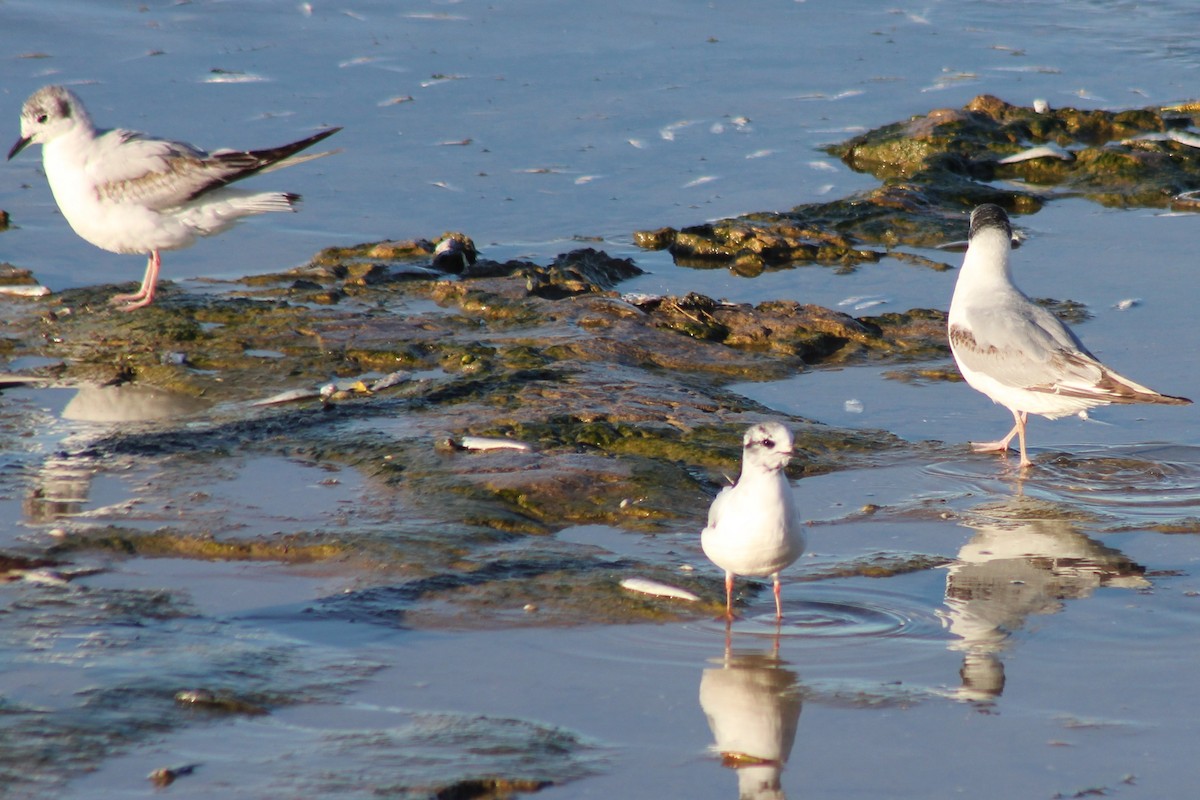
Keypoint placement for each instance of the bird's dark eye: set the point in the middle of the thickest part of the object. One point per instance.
(769, 444)
(41, 118)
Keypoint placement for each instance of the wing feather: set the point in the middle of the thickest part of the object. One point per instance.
(130, 167)
(1033, 350)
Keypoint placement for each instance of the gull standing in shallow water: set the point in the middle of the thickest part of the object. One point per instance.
(753, 526)
(1018, 353)
(127, 192)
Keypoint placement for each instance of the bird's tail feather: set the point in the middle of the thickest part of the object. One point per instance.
(264, 202)
(1126, 391)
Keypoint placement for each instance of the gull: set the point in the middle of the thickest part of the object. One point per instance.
(753, 526)
(1018, 353)
(127, 192)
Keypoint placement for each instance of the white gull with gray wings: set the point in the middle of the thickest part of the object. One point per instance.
(1018, 353)
(127, 192)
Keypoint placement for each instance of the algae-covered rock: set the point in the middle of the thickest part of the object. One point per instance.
(620, 402)
(862, 228)
(936, 167)
(1136, 157)
(805, 332)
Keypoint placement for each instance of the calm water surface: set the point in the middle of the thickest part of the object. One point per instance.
(1052, 657)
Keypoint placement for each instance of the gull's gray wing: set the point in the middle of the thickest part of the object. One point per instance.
(131, 167)
(1024, 346)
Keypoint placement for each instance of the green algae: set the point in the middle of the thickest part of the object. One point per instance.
(176, 544)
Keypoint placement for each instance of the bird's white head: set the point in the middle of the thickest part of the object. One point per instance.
(49, 113)
(766, 447)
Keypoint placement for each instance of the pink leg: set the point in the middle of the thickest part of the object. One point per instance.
(145, 295)
(1021, 418)
(778, 601)
(1001, 445)
(729, 595)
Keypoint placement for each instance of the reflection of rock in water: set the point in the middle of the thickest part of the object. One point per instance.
(130, 402)
(1012, 569)
(753, 705)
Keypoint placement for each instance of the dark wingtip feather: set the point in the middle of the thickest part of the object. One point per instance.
(252, 162)
(273, 155)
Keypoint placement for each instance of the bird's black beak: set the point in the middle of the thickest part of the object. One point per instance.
(19, 146)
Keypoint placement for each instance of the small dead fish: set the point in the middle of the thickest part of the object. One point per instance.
(42, 576)
(1126, 304)
(489, 443)
(1184, 137)
(290, 396)
(25, 291)
(390, 380)
(647, 586)
(1041, 151)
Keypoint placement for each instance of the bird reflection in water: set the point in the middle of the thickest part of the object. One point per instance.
(753, 704)
(64, 480)
(1025, 558)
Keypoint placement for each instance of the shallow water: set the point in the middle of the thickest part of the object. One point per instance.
(1053, 654)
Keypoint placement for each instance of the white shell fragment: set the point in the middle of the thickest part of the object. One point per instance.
(647, 586)
(488, 443)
